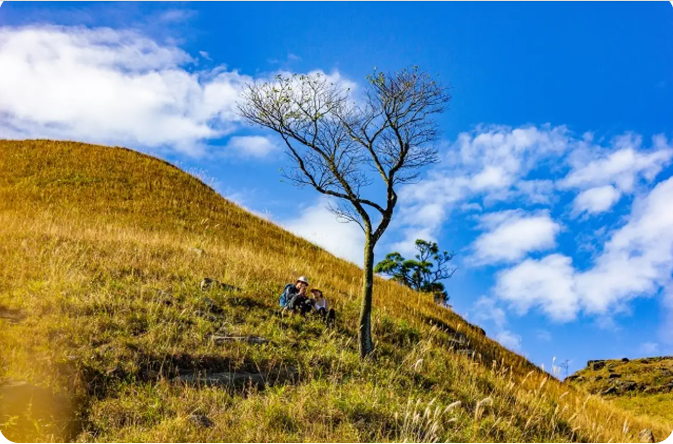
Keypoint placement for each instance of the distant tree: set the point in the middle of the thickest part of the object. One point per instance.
(339, 146)
(424, 273)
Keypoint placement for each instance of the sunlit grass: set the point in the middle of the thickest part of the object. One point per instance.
(653, 376)
(96, 261)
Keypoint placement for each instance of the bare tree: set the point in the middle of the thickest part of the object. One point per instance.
(339, 146)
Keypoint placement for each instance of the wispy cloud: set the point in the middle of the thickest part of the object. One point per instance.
(486, 166)
(519, 170)
(604, 175)
(320, 226)
(289, 59)
(529, 166)
(622, 165)
(177, 15)
(509, 339)
(649, 348)
(543, 335)
(487, 310)
(251, 146)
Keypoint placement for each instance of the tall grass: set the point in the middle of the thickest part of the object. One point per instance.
(653, 398)
(97, 265)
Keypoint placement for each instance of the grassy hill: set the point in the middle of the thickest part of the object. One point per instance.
(644, 386)
(105, 334)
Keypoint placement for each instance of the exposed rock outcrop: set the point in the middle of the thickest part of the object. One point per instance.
(10, 316)
(213, 284)
(201, 421)
(596, 365)
(249, 339)
(625, 377)
(238, 380)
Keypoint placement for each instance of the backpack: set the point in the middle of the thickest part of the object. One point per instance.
(285, 295)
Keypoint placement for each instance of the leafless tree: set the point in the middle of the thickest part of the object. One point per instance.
(339, 146)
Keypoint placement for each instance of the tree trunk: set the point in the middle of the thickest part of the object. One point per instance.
(365, 332)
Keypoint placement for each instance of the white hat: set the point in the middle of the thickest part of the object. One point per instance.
(302, 279)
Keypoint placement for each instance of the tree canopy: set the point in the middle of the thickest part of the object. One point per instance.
(424, 273)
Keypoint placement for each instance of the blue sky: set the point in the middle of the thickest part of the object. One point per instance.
(554, 188)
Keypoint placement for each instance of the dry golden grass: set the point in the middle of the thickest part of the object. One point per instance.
(100, 307)
(652, 396)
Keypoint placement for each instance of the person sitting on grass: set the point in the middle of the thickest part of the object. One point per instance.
(294, 297)
(321, 307)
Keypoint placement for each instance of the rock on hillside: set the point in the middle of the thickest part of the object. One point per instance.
(644, 386)
(619, 377)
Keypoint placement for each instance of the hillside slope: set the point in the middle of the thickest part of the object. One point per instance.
(644, 386)
(104, 327)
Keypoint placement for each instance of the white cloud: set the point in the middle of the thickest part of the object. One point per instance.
(407, 247)
(500, 151)
(596, 200)
(547, 283)
(636, 261)
(251, 146)
(491, 164)
(621, 167)
(512, 234)
(649, 348)
(434, 198)
(496, 164)
(117, 87)
(509, 339)
(532, 166)
(320, 226)
(491, 177)
(110, 86)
